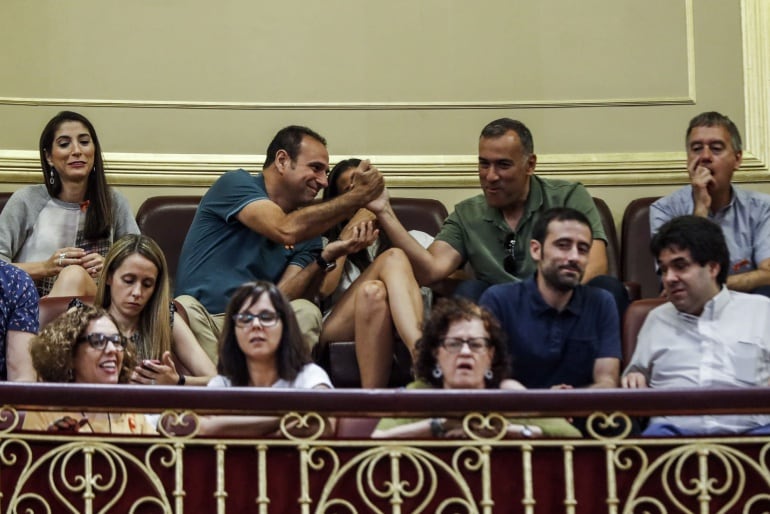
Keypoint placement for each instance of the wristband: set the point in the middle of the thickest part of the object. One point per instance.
(182, 380)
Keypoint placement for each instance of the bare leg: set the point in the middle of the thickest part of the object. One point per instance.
(73, 281)
(393, 269)
(374, 335)
(374, 338)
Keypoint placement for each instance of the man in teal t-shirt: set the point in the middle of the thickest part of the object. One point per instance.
(265, 227)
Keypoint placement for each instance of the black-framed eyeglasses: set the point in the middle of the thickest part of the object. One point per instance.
(509, 262)
(475, 344)
(246, 319)
(99, 340)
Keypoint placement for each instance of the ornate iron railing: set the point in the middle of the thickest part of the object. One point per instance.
(179, 471)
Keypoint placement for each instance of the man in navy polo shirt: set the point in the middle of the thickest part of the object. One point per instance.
(561, 334)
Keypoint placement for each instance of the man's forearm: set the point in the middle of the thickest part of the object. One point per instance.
(421, 259)
(314, 220)
(749, 280)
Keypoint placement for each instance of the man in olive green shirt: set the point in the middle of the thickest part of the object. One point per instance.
(492, 231)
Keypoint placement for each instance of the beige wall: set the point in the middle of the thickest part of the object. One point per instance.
(181, 91)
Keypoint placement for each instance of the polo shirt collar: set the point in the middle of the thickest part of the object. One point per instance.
(539, 305)
(534, 204)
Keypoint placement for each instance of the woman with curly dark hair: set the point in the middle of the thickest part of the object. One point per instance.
(84, 346)
(463, 347)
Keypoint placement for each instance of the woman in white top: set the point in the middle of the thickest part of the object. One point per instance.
(261, 346)
(374, 295)
(59, 232)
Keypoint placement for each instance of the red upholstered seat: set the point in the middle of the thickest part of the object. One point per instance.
(167, 219)
(632, 322)
(4, 199)
(637, 264)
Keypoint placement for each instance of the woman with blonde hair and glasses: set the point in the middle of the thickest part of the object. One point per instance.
(84, 346)
(134, 288)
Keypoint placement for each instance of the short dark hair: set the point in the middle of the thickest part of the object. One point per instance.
(291, 355)
(702, 237)
(540, 230)
(99, 215)
(289, 139)
(499, 127)
(715, 119)
(445, 312)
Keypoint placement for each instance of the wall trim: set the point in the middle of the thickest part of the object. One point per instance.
(346, 106)
(415, 171)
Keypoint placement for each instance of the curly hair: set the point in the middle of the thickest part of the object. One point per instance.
(292, 354)
(53, 350)
(445, 312)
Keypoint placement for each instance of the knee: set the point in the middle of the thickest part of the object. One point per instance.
(372, 292)
(394, 257)
(74, 274)
(74, 281)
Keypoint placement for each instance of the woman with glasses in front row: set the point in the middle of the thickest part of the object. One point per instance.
(84, 346)
(261, 346)
(463, 347)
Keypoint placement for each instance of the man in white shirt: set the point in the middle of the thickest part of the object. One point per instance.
(705, 335)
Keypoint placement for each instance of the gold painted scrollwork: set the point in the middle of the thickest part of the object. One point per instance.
(603, 426)
(482, 427)
(85, 476)
(308, 426)
(179, 424)
(396, 475)
(9, 419)
(693, 475)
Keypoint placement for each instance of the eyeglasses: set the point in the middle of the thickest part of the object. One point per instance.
(509, 263)
(475, 344)
(98, 341)
(246, 319)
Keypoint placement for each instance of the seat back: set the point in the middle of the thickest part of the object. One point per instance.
(52, 306)
(4, 199)
(637, 264)
(422, 214)
(608, 223)
(167, 219)
(632, 322)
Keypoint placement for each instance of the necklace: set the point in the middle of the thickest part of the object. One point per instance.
(88, 422)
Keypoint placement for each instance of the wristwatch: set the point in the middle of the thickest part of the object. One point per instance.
(325, 266)
(437, 427)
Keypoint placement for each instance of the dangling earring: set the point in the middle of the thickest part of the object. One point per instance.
(488, 374)
(51, 179)
(437, 373)
(70, 375)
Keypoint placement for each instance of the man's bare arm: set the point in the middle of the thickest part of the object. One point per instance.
(18, 360)
(750, 280)
(597, 260)
(430, 265)
(606, 373)
(267, 218)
